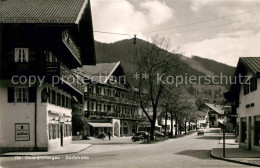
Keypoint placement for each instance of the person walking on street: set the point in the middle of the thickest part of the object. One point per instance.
(109, 135)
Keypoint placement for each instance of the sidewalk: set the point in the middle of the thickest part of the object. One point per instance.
(237, 155)
(228, 141)
(68, 149)
(114, 140)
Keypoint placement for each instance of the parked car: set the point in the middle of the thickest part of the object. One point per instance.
(140, 136)
(200, 132)
(158, 134)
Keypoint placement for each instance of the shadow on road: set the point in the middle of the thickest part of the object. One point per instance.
(200, 154)
(209, 137)
(216, 130)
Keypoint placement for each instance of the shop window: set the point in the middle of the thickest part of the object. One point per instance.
(50, 131)
(53, 131)
(67, 130)
(21, 55)
(243, 132)
(58, 130)
(257, 133)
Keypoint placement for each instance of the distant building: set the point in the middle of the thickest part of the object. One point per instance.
(215, 115)
(44, 39)
(107, 102)
(244, 97)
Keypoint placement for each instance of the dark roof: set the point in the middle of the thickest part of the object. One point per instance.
(217, 108)
(99, 72)
(41, 11)
(252, 63)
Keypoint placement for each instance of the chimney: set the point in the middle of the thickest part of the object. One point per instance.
(215, 103)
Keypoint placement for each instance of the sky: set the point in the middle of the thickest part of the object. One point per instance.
(222, 30)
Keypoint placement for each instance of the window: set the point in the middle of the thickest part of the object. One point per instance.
(246, 87)
(109, 108)
(58, 99)
(90, 89)
(21, 55)
(98, 107)
(21, 94)
(253, 84)
(63, 101)
(50, 57)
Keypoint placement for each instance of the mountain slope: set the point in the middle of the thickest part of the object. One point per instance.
(123, 51)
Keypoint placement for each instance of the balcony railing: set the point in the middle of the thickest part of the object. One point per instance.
(70, 44)
(109, 98)
(113, 114)
(64, 73)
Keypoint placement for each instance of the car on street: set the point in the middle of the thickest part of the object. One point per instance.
(200, 132)
(140, 136)
(158, 134)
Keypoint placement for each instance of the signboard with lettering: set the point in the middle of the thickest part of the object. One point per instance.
(22, 132)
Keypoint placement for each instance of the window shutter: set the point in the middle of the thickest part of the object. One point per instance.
(26, 50)
(16, 54)
(10, 94)
(32, 94)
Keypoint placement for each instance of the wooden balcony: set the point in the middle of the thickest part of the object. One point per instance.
(65, 75)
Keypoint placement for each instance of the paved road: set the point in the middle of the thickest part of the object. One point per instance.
(191, 151)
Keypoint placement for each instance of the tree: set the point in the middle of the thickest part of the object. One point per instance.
(154, 65)
(177, 104)
(77, 114)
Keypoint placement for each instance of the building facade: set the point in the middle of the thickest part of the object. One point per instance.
(107, 104)
(244, 96)
(215, 115)
(39, 46)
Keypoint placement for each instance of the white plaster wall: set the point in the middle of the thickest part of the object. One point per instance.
(252, 97)
(11, 113)
(249, 113)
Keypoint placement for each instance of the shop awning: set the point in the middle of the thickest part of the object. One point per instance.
(101, 124)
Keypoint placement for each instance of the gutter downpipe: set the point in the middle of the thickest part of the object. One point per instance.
(35, 119)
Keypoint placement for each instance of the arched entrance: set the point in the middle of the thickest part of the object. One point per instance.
(116, 129)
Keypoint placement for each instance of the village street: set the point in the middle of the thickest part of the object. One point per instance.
(189, 151)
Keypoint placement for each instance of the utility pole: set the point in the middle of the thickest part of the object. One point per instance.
(224, 139)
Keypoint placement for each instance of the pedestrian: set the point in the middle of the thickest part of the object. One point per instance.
(109, 135)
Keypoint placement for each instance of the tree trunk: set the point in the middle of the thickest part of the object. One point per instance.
(185, 127)
(152, 130)
(189, 126)
(165, 124)
(171, 124)
(176, 125)
(179, 128)
(196, 126)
